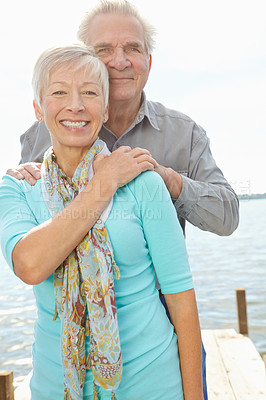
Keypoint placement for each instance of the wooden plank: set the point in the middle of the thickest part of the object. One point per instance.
(242, 311)
(6, 385)
(243, 364)
(218, 384)
(235, 370)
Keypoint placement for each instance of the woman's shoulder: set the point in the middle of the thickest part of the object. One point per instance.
(19, 196)
(10, 184)
(150, 178)
(149, 186)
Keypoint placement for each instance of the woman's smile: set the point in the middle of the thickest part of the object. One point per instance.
(74, 124)
(73, 109)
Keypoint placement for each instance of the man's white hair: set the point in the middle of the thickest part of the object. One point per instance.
(118, 7)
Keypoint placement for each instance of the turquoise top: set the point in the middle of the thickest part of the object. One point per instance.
(145, 235)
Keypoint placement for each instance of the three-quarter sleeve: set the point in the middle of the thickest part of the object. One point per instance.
(16, 217)
(163, 234)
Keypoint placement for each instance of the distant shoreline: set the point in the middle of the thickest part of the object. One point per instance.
(251, 196)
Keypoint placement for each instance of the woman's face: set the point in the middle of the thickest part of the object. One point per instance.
(72, 108)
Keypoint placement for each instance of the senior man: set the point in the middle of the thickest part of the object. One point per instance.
(124, 41)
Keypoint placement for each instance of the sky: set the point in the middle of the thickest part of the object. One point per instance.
(209, 63)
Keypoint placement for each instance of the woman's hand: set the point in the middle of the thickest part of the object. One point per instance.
(123, 165)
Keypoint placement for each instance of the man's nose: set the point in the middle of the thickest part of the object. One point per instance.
(119, 60)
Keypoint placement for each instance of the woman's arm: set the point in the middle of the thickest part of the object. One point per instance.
(184, 315)
(167, 248)
(41, 250)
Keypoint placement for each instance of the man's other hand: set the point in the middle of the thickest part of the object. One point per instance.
(28, 171)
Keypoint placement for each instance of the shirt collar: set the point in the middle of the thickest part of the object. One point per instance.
(146, 110)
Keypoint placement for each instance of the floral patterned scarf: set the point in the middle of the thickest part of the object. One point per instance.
(84, 287)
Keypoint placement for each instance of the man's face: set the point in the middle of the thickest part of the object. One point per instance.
(119, 42)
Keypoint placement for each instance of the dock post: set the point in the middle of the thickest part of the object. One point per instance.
(242, 311)
(264, 359)
(6, 385)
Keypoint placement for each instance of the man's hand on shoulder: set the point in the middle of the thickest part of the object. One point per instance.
(28, 171)
(172, 180)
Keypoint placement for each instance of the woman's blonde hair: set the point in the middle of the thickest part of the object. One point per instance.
(77, 56)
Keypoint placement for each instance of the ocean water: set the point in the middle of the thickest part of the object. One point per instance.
(222, 264)
(219, 266)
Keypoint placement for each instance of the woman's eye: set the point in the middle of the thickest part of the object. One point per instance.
(90, 93)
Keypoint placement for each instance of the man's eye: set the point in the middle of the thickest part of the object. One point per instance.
(58, 92)
(103, 51)
(130, 50)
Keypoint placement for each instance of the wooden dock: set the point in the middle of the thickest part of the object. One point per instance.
(235, 370)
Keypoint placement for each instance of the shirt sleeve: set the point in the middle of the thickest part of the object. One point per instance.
(34, 142)
(163, 234)
(207, 200)
(16, 218)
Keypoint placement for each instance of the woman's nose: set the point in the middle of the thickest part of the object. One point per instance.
(75, 103)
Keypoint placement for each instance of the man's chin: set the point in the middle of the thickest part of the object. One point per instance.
(120, 94)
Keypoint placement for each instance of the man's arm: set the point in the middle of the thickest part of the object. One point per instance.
(204, 197)
(34, 142)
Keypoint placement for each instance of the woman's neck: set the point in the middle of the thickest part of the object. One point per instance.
(69, 158)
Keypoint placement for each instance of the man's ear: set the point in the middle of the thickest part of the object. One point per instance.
(150, 60)
(38, 112)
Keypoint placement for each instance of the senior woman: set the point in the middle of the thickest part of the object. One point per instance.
(90, 249)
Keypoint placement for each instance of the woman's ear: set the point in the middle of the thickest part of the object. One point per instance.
(38, 112)
(106, 114)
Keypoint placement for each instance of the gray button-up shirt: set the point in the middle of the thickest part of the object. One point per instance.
(174, 140)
